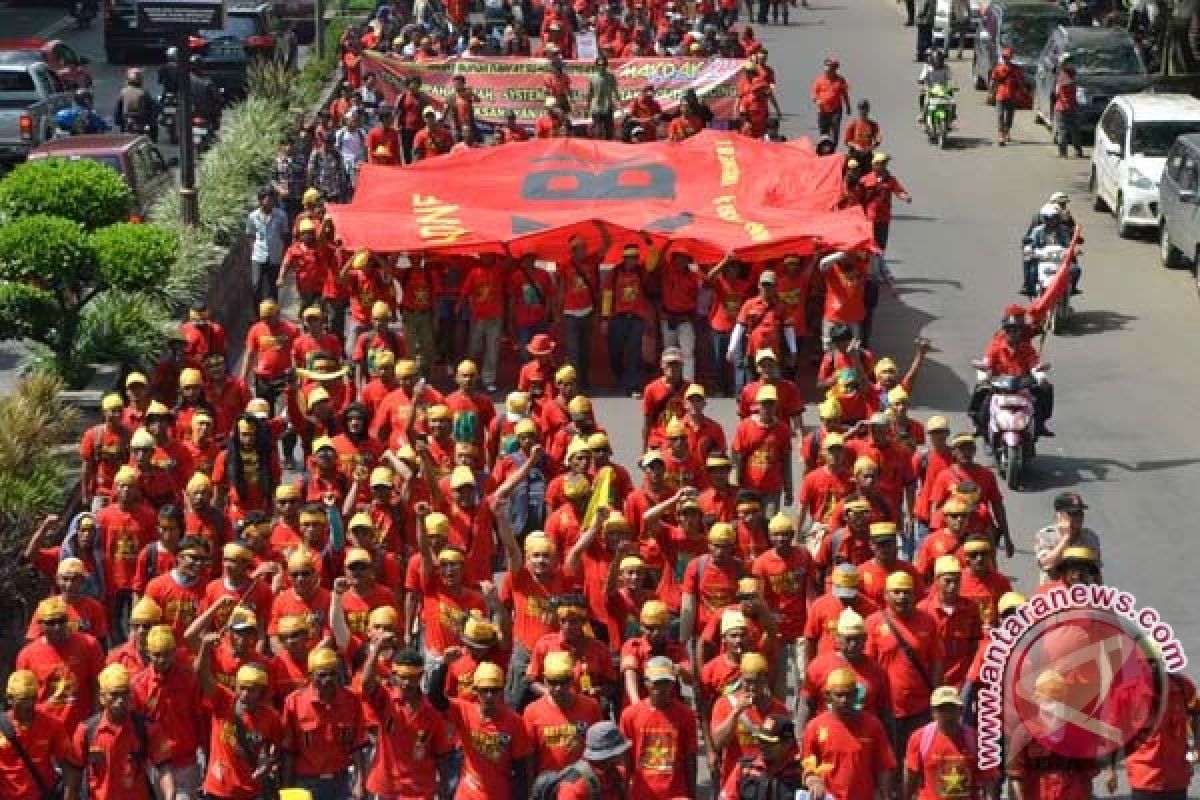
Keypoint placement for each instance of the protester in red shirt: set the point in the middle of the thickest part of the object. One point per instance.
(852, 741)
(323, 730)
(102, 450)
(846, 277)
(432, 140)
(831, 94)
(645, 112)
(960, 625)
(663, 730)
(311, 263)
(45, 742)
(269, 352)
(483, 293)
(941, 758)
(1007, 83)
(879, 185)
(556, 722)
(65, 664)
(762, 451)
(862, 134)
(552, 123)
(384, 135)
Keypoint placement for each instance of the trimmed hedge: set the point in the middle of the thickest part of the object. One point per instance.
(85, 191)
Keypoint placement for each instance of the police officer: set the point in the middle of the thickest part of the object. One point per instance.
(136, 110)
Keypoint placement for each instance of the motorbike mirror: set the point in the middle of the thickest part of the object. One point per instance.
(979, 363)
(1187, 196)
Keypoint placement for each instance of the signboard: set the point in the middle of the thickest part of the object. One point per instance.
(585, 46)
(519, 84)
(180, 16)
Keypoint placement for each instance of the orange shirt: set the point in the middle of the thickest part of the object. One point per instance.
(858, 748)
(947, 765)
(271, 342)
(558, 734)
(876, 694)
(830, 94)
(529, 600)
(230, 773)
(124, 533)
(742, 744)
(46, 743)
(112, 770)
(322, 736)
(762, 449)
(821, 624)
(960, 630)
(490, 747)
(786, 585)
(664, 740)
(66, 676)
(180, 604)
(409, 743)
(910, 691)
(172, 703)
(846, 292)
(443, 613)
(713, 590)
(1159, 764)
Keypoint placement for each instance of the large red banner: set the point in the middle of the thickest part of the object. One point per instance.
(711, 194)
(518, 84)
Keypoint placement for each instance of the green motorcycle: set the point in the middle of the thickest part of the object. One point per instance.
(940, 113)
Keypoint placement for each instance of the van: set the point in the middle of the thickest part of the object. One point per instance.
(1132, 139)
(1179, 202)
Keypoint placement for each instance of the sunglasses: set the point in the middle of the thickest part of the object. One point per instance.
(958, 515)
(292, 637)
(359, 567)
(53, 623)
(488, 691)
(303, 573)
(559, 683)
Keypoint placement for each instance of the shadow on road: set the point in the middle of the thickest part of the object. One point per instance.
(1083, 323)
(1055, 472)
(968, 142)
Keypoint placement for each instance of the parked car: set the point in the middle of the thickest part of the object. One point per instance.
(1179, 204)
(1107, 63)
(1132, 139)
(70, 67)
(30, 95)
(123, 37)
(252, 31)
(134, 157)
(941, 21)
(1023, 25)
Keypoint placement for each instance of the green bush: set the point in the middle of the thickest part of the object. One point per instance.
(122, 327)
(134, 258)
(51, 253)
(88, 192)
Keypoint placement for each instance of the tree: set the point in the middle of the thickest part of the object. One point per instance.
(85, 191)
(52, 274)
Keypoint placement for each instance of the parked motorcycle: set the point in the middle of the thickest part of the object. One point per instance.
(1011, 424)
(1049, 262)
(941, 110)
(168, 106)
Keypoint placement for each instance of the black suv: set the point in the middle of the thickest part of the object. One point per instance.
(251, 32)
(123, 37)
(1107, 63)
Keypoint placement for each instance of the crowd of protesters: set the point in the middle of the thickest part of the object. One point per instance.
(347, 566)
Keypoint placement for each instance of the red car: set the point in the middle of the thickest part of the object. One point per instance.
(70, 67)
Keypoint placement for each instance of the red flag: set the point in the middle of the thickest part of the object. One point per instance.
(1059, 286)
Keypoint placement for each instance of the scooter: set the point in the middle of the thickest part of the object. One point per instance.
(168, 110)
(940, 112)
(1012, 423)
(1049, 262)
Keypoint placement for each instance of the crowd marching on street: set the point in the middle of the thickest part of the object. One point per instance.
(377, 558)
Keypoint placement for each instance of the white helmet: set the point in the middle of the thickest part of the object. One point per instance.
(1060, 198)
(1049, 211)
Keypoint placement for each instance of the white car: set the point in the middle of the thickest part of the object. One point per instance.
(941, 22)
(1132, 139)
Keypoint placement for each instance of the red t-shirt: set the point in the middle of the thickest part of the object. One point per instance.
(830, 94)
(580, 282)
(714, 590)
(845, 292)
(763, 450)
(230, 774)
(857, 747)
(530, 603)
(910, 692)
(787, 583)
(172, 702)
(124, 534)
(484, 293)
(66, 676)
(271, 342)
(321, 736)
(664, 741)
(443, 613)
(961, 630)
(490, 747)
(947, 765)
(532, 292)
(409, 743)
(871, 679)
(46, 742)
(557, 734)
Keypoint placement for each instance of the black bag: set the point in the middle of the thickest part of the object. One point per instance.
(545, 785)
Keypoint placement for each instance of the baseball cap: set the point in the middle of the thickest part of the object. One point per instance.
(1069, 502)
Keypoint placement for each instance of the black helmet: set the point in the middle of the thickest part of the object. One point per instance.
(83, 97)
(1012, 321)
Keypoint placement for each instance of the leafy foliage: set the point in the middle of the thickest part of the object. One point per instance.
(34, 421)
(122, 327)
(25, 311)
(134, 257)
(85, 191)
(50, 252)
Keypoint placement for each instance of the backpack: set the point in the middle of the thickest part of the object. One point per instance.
(466, 426)
(755, 784)
(527, 511)
(545, 785)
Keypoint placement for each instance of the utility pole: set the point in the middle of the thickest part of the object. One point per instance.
(189, 203)
(319, 28)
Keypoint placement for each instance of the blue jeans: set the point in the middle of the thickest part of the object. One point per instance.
(625, 351)
(579, 346)
(720, 341)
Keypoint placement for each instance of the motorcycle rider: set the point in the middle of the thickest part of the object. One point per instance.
(79, 116)
(205, 96)
(136, 110)
(1012, 353)
(935, 72)
(1051, 232)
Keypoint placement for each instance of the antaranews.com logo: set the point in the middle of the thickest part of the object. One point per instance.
(1079, 672)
